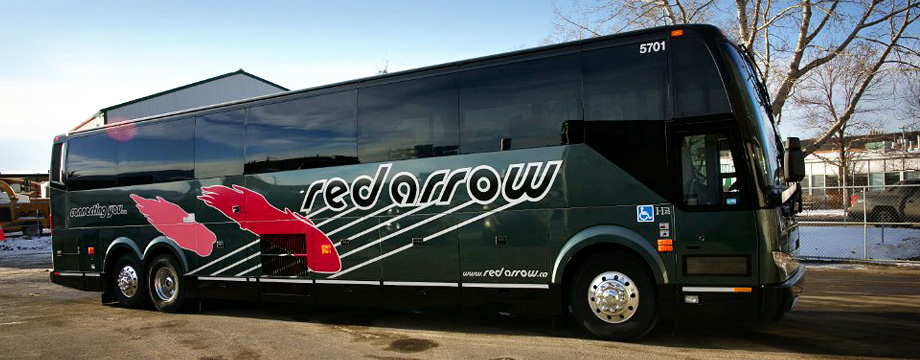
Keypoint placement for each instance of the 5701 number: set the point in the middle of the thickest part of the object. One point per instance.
(651, 47)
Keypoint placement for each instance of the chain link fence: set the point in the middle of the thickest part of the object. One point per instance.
(861, 223)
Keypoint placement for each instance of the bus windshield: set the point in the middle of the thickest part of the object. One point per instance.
(767, 149)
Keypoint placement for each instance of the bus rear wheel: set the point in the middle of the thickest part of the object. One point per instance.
(613, 297)
(127, 283)
(166, 283)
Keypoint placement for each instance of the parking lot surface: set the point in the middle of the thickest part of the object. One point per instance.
(847, 311)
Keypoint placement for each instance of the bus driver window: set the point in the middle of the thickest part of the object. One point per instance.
(708, 170)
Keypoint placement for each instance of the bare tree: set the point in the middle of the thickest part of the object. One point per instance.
(912, 110)
(386, 67)
(826, 94)
(790, 38)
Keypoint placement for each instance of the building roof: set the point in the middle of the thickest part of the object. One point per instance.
(861, 141)
(238, 72)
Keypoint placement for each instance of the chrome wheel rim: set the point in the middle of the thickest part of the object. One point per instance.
(165, 284)
(613, 297)
(127, 281)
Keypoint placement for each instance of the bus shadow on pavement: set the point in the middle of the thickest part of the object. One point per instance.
(830, 333)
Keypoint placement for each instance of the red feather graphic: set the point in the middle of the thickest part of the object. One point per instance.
(253, 213)
(169, 220)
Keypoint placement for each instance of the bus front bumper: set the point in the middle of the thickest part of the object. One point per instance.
(778, 299)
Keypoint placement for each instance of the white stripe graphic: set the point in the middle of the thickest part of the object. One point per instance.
(222, 278)
(432, 236)
(291, 281)
(236, 263)
(223, 257)
(410, 227)
(311, 215)
(385, 223)
(505, 286)
(249, 269)
(346, 226)
(361, 265)
(343, 213)
(348, 282)
(708, 289)
(420, 283)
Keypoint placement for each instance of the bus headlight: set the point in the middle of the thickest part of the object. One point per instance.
(786, 263)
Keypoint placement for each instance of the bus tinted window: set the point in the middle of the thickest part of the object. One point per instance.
(708, 170)
(219, 144)
(409, 119)
(56, 162)
(91, 162)
(525, 103)
(302, 134)
(158, 152)
(698, 87)
(624, 83)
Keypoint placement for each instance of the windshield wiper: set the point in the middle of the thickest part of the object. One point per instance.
(764, 95)
(759, 80)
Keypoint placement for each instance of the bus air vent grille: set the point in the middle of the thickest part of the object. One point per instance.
(284, 254)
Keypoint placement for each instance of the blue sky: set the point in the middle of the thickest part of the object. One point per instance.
(64, 60)
(61, 61)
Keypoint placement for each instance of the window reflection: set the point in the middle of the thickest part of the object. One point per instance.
(522, 104)
(409, 119)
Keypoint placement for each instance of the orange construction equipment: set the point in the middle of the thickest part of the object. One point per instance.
(21, 213)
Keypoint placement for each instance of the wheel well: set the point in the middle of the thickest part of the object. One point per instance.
(113, 257)
(584, 254)
(160, 250)
(109, 264)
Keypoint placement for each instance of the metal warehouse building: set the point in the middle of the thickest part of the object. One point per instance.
(228, 87)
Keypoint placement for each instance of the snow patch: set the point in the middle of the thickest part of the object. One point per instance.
(25, 246)
(846, 242)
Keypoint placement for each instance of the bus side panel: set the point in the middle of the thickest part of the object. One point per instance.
(567, 223)
(507, 248)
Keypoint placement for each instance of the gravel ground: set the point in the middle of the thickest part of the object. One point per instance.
(846, 311)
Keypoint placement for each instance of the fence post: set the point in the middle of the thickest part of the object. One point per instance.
(865, 227)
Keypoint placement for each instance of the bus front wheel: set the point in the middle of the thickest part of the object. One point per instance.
(613, 297)
(127, 283)
(166, 284)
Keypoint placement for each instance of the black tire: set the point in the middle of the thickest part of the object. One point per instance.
(32, 230)
(166, 284)
(638, 312)
(884, 216)
(127, 282)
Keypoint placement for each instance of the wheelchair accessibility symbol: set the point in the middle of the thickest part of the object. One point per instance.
(645, 213)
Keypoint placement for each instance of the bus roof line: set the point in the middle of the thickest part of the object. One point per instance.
(375, 78)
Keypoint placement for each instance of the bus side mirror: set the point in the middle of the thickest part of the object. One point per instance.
(794, 160)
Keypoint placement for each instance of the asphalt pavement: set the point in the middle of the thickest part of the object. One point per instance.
(846, 311)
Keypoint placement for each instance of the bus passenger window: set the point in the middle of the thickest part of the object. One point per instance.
(91, 162)
(696, 82)
(304, 133)
(156, 152)
(708, 171)
(521, 105)
(219, 144)
(409, 119)
(620, 83)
